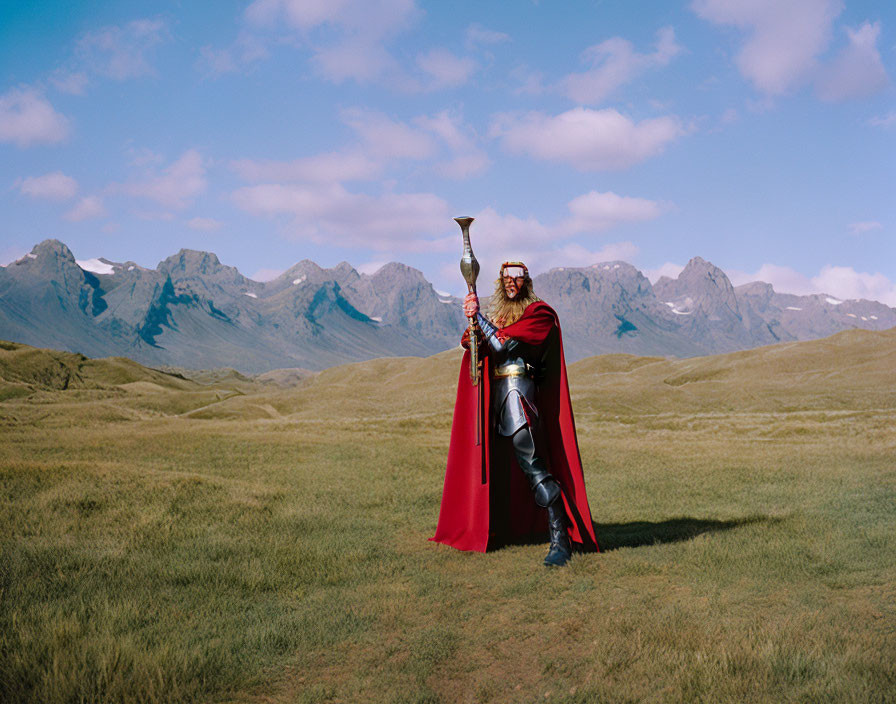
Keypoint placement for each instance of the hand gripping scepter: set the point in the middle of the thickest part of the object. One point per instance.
(469, 268)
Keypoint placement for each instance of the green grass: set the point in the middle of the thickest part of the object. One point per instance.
(153, 552)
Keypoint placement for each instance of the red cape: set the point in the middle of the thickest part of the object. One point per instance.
(486, 500)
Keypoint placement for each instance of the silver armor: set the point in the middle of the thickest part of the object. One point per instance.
(514, 410)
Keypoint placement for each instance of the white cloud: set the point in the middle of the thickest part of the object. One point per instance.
(587, 139)
(615, 62)
(858, 228)
(497, 238)
(782, 278)
(176, 186)
(332, 214)
(26, 118)
(858, 70)
(418, 222)
(53, 186)
(844, 282)
(154, 215)
(669, 269)
(445, 69)
(300, 14)
(86, 209)
(464, 165)
(468, 158)
(503, 231)
(386, 138)
(246, 50)
(476, 34)
(730, 116)
(542, 246)
(784, 37)
(217, 62)
(371, 267)
(887, 120)
(204, 224)
(359, 60)
(320, 168)
(143, 156)
(444, 138)
(70, 82)
(601, 211)
(449, 128)
(357, 32)
(531, 82)
(122, 52)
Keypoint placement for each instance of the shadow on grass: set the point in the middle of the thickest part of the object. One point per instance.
(612, 536)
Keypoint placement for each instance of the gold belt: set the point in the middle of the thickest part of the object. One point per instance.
(510, 370)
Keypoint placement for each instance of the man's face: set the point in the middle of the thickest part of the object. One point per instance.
(513, 285)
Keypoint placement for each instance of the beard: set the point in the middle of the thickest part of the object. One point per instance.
(504, 311)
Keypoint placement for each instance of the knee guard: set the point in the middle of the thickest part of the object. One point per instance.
(547, 492)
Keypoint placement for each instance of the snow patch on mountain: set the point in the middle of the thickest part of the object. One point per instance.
(95, 266)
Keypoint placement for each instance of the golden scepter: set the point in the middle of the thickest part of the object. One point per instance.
(469, 268)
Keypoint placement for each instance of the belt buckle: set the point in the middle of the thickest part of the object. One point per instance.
(515, 370)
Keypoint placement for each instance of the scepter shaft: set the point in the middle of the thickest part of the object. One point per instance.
(469, 268)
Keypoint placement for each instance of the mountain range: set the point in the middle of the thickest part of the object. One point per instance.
(194, 312)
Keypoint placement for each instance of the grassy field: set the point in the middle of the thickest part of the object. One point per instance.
(165, 540)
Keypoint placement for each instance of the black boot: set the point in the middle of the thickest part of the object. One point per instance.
(560, 550)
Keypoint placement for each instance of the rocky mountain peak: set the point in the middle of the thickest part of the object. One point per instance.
(344, 274)
(305, 268)
(49, 259)
(193, 264)
(699, 271)
(344, 268)
(191, 261)
(54, 249)
(194, 311)
(700, 281)
(396, 272)
(759, 289)
(617, 269)
(704, 297)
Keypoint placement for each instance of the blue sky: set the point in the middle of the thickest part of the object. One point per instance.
(758, 135)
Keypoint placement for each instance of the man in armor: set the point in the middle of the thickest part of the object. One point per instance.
(526, 417)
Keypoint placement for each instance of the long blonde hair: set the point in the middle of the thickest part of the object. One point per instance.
(504, 311)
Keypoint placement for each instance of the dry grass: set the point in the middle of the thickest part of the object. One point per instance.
(249, 543)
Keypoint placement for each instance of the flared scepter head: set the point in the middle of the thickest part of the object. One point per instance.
(469, 265)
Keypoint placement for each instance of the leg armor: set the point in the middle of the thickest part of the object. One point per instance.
(515, 417)
(514, 404)
(547, 495)
(544, 486)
